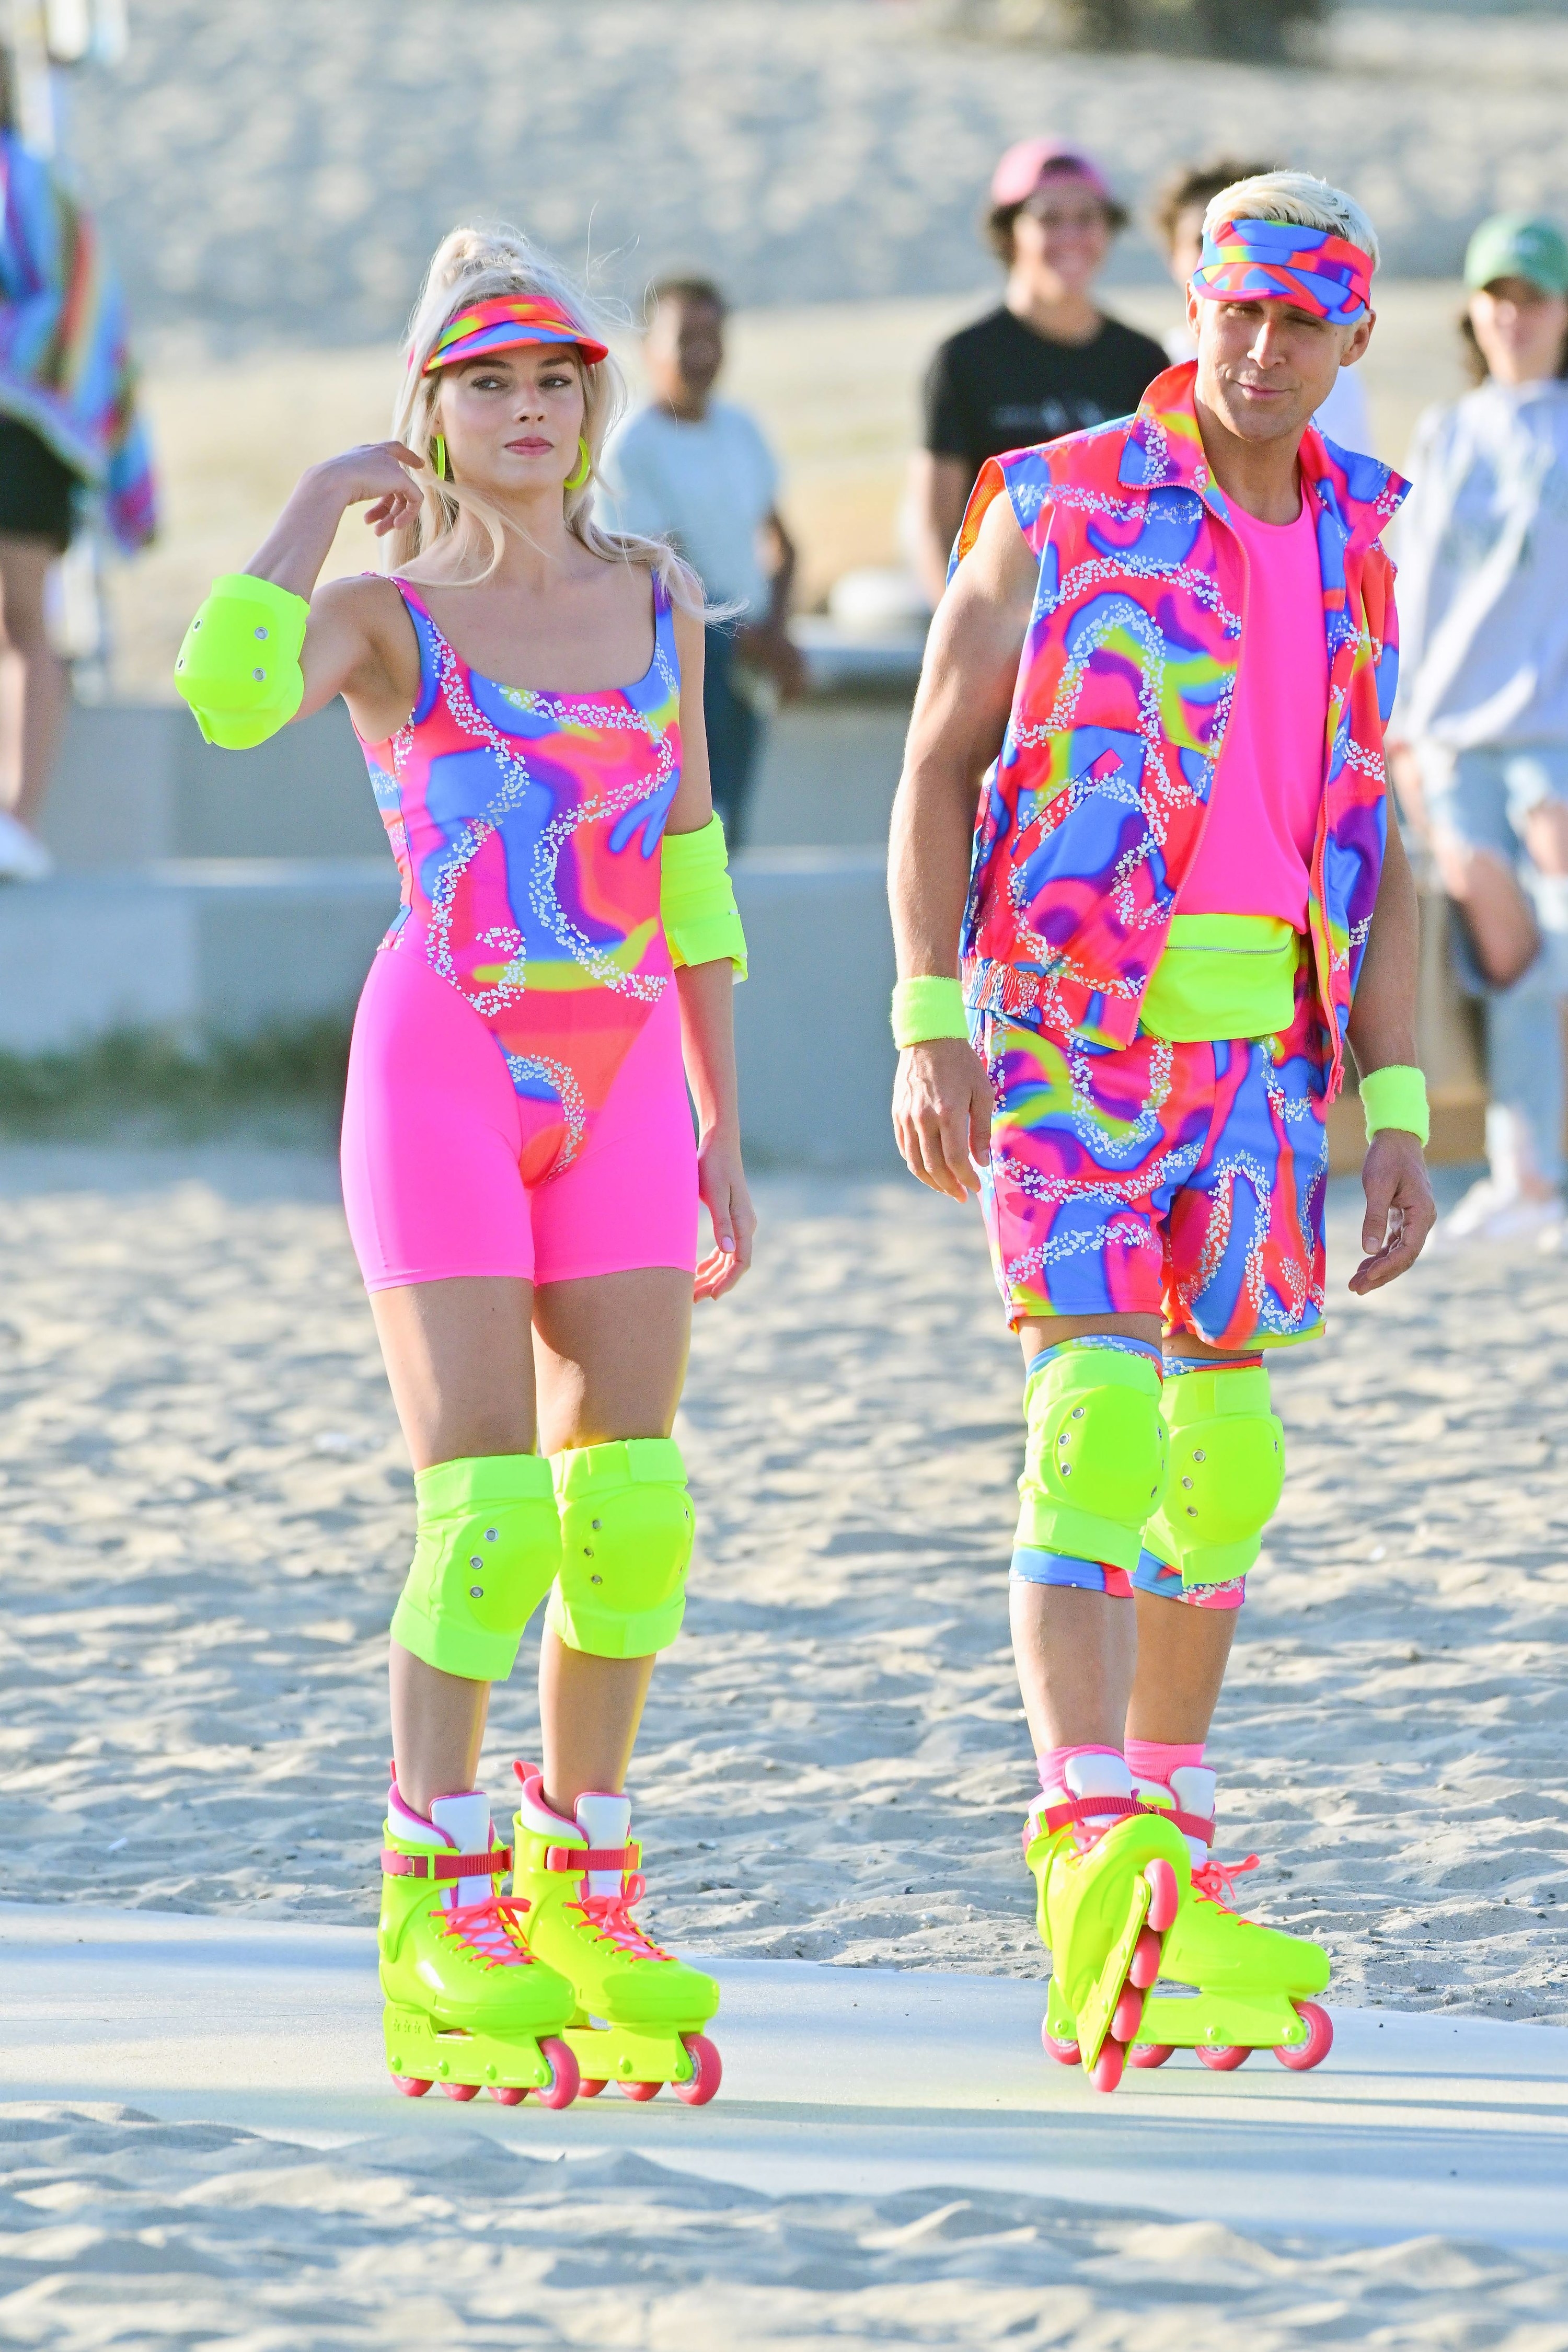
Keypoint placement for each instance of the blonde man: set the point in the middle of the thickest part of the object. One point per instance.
(1164, 662)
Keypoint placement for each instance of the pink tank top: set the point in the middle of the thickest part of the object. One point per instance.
(526, 827)
(1256, 851)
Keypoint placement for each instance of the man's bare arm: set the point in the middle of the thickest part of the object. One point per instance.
(941, 1104)
(1400, 1209)
(939, 492)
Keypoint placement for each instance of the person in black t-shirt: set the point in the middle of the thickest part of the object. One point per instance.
(1047, 362)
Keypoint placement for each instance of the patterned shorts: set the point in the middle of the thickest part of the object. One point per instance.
(1182, 1180)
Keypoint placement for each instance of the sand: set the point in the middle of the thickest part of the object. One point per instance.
(207, 1515)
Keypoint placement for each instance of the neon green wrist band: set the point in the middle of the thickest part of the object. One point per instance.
(1397, 1097)
(927, 1008)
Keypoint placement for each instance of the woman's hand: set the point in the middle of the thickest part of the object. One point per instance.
(376, 471)
(721, 1186)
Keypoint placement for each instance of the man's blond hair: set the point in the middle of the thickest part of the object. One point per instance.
(1294, 196)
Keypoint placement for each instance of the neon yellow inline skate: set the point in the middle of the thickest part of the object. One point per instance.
(1111, 1877)
(468, 2005)
(639, 2011)
(1226, 1985)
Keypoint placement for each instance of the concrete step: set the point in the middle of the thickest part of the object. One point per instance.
(194, 946)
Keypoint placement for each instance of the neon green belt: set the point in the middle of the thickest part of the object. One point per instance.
(1223, 976)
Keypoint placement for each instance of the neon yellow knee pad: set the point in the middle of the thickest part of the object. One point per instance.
(1095, 1466)
(488, 1549)
(626, 1541)
(1227, 1470)
(240, 665)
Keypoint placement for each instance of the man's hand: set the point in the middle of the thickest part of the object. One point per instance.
(1400, 1209)
(769, 648)
(941, 1114)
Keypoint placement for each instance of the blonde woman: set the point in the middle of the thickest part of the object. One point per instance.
(519, 1166)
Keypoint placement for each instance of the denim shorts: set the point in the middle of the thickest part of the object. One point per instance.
(1484, 797)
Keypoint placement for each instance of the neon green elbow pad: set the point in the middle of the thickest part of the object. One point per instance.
(240, 665)
(697, 900)
(625, 1543)
(487, 1550)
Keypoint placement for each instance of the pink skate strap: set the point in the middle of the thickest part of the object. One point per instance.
(442, 1866)
(1091, 1809)
(1193, 1825)
(590, 1857)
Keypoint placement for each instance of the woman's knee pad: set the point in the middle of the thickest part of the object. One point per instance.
(1228, 1471)
(626, 1542)
(487, 1551)
(1095, 1465)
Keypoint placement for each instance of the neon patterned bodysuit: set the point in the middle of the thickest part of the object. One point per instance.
(524, 982)
(526, 828)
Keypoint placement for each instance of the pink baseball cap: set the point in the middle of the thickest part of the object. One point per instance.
(1025, 167)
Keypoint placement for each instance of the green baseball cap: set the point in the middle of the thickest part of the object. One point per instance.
(1519, 244)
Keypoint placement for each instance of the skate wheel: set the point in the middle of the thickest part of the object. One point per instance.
(1106, 2071)
(1222, 2058)
(640, 2091)
(706, 2071)
(1164, 1896)
(413, 2087)
(590, 2086)
(1145, 1969)
(1151, 2053)
(461, 2091)
(1127, 2016)
(562, 2087)
(1065, 2052)
(1319, 2025)
(507, 2095)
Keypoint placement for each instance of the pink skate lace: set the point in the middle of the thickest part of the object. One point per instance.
(1216, 1881)
(610, 1915)
(490, 1930)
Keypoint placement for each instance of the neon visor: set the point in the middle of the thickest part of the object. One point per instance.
(1261, 261)
(504, 323)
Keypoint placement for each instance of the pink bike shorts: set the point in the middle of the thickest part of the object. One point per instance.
(434, 1136)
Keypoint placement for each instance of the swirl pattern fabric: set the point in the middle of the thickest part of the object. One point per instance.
(502, 322)
(526, 827)
(1091, 819)
(1264, 261)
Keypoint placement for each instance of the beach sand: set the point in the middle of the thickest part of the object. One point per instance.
(205, 1518)
(207, 1515)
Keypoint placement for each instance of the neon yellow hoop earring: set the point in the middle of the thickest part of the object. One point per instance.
(438, 456)
(582, 468)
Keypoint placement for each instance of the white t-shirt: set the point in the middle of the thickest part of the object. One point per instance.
(709, 486)
(1344, 416)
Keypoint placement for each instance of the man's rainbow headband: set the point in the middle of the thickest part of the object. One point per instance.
(503, 323)
(1262, 261)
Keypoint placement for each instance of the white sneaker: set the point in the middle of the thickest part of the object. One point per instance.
(23, 858)
(1492, 1212)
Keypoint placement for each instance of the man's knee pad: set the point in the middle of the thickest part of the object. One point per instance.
(1227, 1470)
(487, 1551)
(626, 1542)
(1095, 1466)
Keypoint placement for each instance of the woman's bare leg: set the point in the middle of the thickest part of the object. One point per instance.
(459, 1359)
(611, 1358)
(35, 690)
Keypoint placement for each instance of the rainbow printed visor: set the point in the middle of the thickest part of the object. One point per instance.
(1264, 261)
(503, 323)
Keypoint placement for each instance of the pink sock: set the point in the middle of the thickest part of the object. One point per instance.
(1156, 1759)
(1084, 1773)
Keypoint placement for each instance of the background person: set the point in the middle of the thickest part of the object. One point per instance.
(1479, 739)
(67, 422)
(696, 471)
(1179, 211)
(1048, 360)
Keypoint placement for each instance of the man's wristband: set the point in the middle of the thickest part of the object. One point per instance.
(1397, 1097)
(927, 1008)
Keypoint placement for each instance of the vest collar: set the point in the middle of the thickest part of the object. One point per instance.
(1164, 450)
